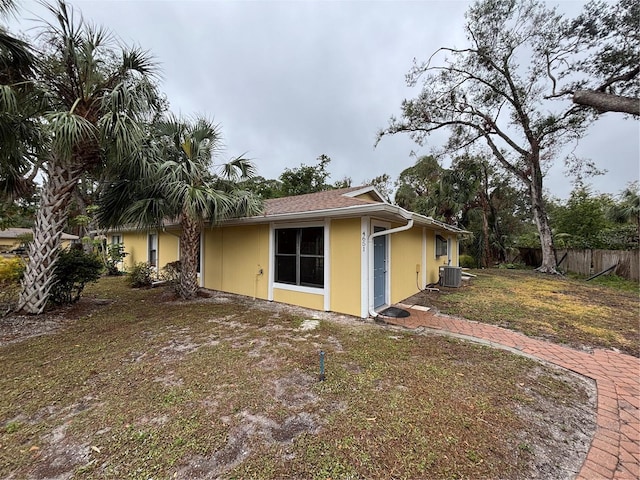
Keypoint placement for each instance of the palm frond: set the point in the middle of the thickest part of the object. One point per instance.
(139, 61)
(238, 169)
(8, 7)
(69, 131)
(16, 58)
(8, 100)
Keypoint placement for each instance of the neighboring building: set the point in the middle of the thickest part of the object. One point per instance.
(14, 238)
(345, 251)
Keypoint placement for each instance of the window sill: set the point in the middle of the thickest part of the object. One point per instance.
(297, 288)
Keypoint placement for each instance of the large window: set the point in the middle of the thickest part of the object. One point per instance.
(300, 256)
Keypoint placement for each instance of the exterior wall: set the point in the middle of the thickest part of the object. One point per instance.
(7, 244)
(435, 262)
(406, 263)
(368, 197)
(432, 266)
(233, 258)
(345, 288)
(136, 245)
(237, 259)
(212, 258)
(307, 300)
(168, 248)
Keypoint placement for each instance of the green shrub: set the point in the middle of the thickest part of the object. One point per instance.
(11, 270)
(73, 270)
(467, 261)
(113, 255)
(141, 275)
(513, 266)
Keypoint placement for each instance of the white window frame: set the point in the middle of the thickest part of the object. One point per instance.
(272, 256)
(446, 243)
(157, 242)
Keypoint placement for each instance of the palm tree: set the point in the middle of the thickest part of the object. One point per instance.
(98, 98)
(627, 210)
(178, 185)
(19, 99)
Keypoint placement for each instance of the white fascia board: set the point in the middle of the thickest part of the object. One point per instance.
(357, 210)
(370, 209)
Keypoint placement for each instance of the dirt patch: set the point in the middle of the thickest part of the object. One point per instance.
(17, 328)
(561, 430)
(247, 435)
(294, 390)
(233, 453)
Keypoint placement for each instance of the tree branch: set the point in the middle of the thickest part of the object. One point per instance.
(607, 102)
(625, 77)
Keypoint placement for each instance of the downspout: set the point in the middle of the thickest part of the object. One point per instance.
(409, 224)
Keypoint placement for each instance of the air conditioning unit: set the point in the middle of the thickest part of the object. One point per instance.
(450, 277)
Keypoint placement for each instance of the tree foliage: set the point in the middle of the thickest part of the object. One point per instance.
(491, 93)
(383, 184)
(296, 181)
(627, 209)
(471, 194)
(176, 181)
(76, 102)
(587, 220)
(597, 61)
(305, 179)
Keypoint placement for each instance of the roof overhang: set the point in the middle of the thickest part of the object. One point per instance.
(384, 211)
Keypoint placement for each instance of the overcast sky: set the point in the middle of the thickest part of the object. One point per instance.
(289, 81)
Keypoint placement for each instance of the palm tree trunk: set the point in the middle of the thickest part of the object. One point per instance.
(44, 250)
(189, 246)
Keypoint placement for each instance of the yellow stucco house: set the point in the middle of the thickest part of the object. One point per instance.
(12, 238)
(346, 251)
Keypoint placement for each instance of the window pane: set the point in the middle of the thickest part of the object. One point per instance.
(285, 269)
(286, 240)
(441, 246)
(312, 271)
(312, 242)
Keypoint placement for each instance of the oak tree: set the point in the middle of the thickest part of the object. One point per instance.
(491, 92)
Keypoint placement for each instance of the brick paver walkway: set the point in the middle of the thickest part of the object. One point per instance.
(615, 447)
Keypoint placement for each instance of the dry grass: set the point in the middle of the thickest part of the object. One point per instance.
(603, 313)
(143, 387)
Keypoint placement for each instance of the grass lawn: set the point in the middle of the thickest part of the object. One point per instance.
(141, 387)
(604, 312)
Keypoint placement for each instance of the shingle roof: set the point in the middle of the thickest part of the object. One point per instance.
(314, 201)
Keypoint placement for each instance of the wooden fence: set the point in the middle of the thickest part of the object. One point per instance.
(590, 262)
